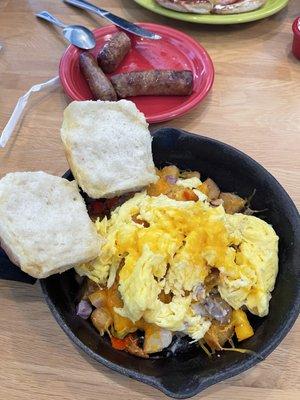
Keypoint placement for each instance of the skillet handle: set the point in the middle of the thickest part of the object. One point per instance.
(9, 271)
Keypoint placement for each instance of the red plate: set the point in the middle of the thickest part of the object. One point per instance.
(175, 50)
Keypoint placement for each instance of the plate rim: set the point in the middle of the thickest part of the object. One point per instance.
(230, 19)
(167, 115)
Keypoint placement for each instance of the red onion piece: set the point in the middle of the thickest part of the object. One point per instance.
(84, 309)
(171, 179)
(218, 308)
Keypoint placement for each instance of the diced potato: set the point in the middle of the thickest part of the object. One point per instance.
(158, 188)
(180, 193)
(166, 185)
(242, 327)
(190, 195)
(170, 170)
(232, 203)
(156, 339)
(175, 193)
(98, 298)
(210, 188)
(101, 319)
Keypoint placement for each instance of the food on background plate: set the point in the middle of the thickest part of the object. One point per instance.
(153, 83)
(212, 6)
(113, 52)
(174, 263)
(232, 203)
(99, 84)
(108, 147)
(237, 6)
(193, 6)
(44, 224)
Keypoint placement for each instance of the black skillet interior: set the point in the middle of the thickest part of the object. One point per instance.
(192, 371)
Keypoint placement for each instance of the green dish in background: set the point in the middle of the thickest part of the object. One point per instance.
(270, 8)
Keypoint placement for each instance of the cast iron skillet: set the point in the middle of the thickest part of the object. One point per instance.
(192, 371)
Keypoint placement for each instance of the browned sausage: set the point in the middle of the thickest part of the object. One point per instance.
(113, 52)
(100, 86)
(153, 82)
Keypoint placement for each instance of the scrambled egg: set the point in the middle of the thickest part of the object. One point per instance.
(168, 247)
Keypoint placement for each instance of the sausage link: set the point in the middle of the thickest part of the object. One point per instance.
(113, 52)
(99, 84)
(153, 82)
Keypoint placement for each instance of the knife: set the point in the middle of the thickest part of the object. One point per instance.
(122, 23)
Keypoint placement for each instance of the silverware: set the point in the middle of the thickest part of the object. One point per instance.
(78, 35)
(122, 23)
